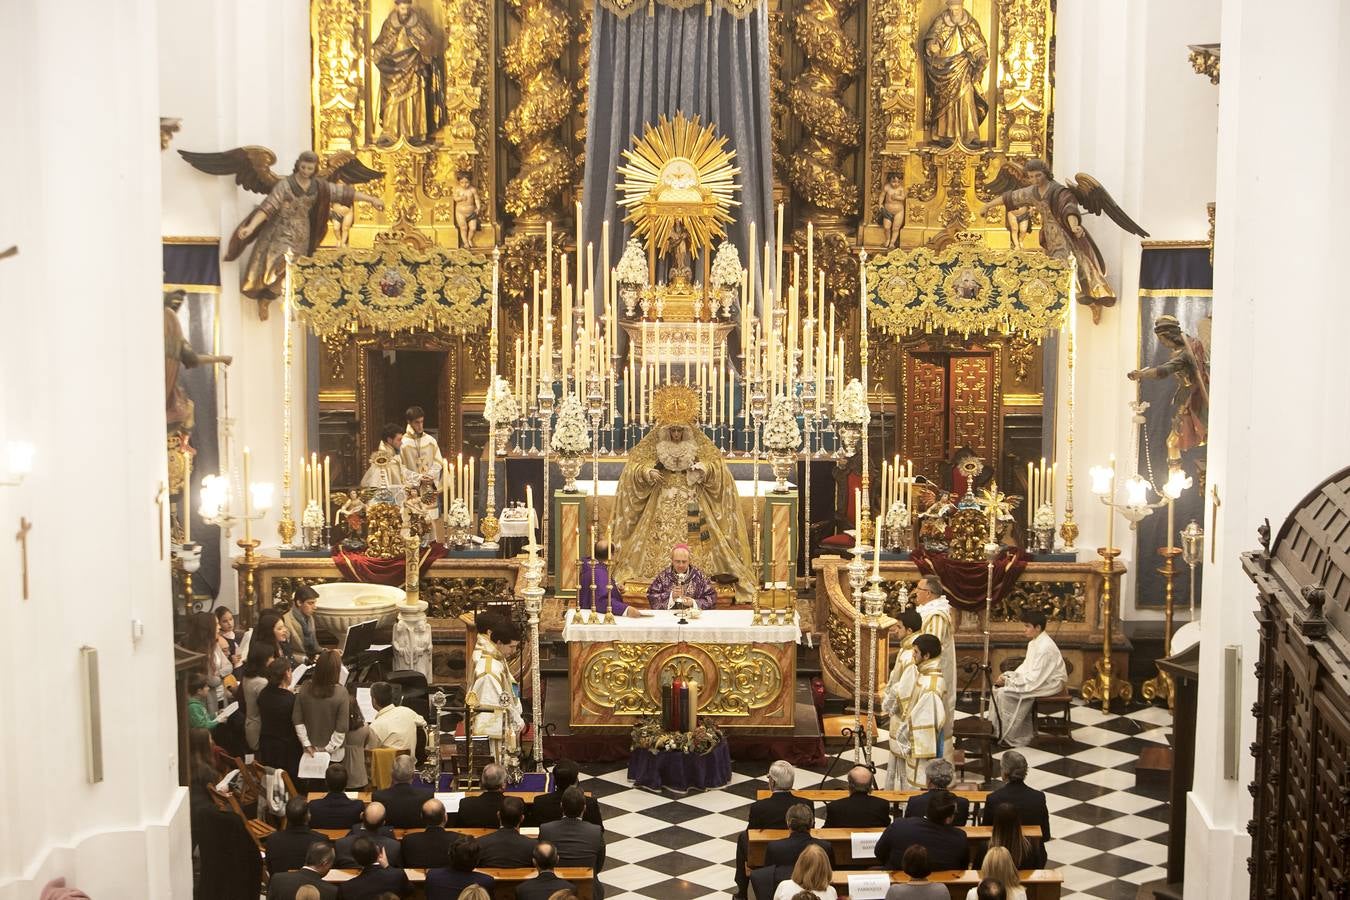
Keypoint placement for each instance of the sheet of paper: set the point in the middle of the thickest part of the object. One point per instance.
(451, 801)
(367, 707)
(224, 784)
(229, 710)
(864, 844)
(376, 648)
(342, 676)
(313, 766)
(298, 672)
(868, 885)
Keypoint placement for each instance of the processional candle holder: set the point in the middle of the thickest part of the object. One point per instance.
(857, 577)
(189, 556)
(1161, 685)
(250, 566)
(431, 769)
(874, 600)
(546, 404)
(1193, 554)
(534, 601)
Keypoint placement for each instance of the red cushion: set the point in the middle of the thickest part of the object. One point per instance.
(843, 541)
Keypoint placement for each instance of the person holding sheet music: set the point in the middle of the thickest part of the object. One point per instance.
(320, 713)
(278, 747)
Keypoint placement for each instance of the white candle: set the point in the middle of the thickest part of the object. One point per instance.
(248, 524)
(876, 549)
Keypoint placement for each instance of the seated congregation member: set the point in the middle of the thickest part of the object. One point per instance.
(681, 584)
(288, 848)
(430, 847)
(278, 747)
(940, 774)
(1029, 802)
(915, 865)
(998, 867)
(318, 862)
(989, 889)
(255, 679)
(546, 882)
(322, 709)
(448, 883)
(507, 848)
(402, 801)
(859, 809)
(578, 843)
(1027, 853)
(785, 851)
(377, 876)
(548, 807)
(481, 811)
(371, 826)
(1041, 674)
(812, 874)
(767, 813)
(335, 809)
(394, 726)
(300, 623)
(597, 591)
(946, 844)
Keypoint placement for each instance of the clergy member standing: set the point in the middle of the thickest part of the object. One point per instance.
(386, 466)
(1041, 674)
(899, 686)
(916, 735)
(500, 717)
(597, 592)
(419, 451)
(939, 621)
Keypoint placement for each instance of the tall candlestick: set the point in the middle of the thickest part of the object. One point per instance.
(876, 549)
(1031, 500)
(248, 521)
(327, 491)
(187, 497)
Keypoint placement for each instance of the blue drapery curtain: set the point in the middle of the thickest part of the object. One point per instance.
(1175, 282)
(645, 66)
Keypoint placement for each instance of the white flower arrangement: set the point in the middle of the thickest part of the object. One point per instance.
(632, 267)
(312, 517)
(500, 407)
(458, 516)
(571, 437)
(726, 267)
(781, 433)
(897, 516)
(852, 406)
(1045, 516)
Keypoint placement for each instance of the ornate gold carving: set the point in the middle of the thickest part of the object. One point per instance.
(583, 69)
(831, 130)
(616, 678)
(531, 61)
(675, 404)
(452, 597)
(1021, 352)
(1059, 600)
(778, 110)
(736, 679)
(1204, 60)
(840, 635)
(1023, 76)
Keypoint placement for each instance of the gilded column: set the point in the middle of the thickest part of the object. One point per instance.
(532, 127)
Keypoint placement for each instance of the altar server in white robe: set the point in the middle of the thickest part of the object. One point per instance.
(501, 717)
(1041, 674)
(916, 729)
(419, 451)
(386, 466)
(939, 620)
(898, 687)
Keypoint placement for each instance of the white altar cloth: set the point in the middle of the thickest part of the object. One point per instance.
(714, 626)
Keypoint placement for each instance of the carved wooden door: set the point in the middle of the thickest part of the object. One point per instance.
(950, 399)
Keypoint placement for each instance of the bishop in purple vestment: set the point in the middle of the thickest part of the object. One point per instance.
(680, 576)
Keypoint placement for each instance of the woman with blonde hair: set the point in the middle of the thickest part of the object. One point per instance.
(474, 892)
(811, 874)
(998, 865)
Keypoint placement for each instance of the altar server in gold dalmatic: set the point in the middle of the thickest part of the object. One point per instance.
(499, 717)
(899, 686)
(939, 621)
(916, 733)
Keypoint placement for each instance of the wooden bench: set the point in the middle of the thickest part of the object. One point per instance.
(334, 834)
(506, 880)
(897, 799)
(527, 797)
(1041, 884)
(841, 841)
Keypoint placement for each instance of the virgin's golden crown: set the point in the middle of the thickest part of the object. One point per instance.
(675, 404)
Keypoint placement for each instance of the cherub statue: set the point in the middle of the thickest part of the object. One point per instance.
(891, 208)
(467, 209)
(293, 216)
(1061, 210)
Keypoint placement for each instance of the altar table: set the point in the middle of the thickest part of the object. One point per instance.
(746, 672)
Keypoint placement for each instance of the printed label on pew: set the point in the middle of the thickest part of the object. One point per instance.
(868, 886)
(451, 801)
(864, 844)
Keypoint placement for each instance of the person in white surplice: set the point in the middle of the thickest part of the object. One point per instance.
(898, 687)
(939, 620)
(916, 729)
(1041, 674)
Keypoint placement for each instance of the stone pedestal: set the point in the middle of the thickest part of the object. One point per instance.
(412, 638)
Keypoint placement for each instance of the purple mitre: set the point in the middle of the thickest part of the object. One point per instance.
(698, 587)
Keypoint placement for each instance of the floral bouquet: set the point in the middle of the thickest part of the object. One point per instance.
(726, 267)
(852, 406)
(571, 437)
(781, 434)
(500, 407)
(458, 516)
(650, 736)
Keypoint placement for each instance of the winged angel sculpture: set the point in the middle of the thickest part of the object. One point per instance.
(1022, 187)
(292, 217)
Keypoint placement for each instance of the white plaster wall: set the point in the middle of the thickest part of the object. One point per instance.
(1130, 112)
(234, 82)
(81, 377)
(1279, 414)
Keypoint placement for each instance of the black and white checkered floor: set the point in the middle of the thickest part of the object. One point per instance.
(1109, 834)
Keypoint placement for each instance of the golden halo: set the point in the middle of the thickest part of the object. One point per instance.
(675, 404)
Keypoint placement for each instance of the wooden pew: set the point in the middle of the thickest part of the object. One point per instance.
(334, 833)
(504, 889)
(1041, 884)
(897, 799)
(841, 841)
(527, 797)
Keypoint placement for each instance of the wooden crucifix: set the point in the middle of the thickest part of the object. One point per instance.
(25, 526)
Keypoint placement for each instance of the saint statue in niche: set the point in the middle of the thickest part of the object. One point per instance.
(955, 55)
(412, 77)
(1189, 365)
(467, 208)
(681, 254)
(891, 208)
(179, 355)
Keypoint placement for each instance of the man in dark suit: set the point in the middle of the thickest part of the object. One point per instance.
(548, 807)
(403, 802)
(578, 842)
(859, 809)
(940, 774)
(447, 884)
(335, 809)
(507, 848)
(371, 826)
(318, 862)
(430, 847)
(481, 811)
(767, 813)
(1029, 802)
(377, 876)
(286, 849)
(784, 852)
(946, 844)
(547, 882)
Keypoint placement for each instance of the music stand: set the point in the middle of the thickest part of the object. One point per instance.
(356, 653)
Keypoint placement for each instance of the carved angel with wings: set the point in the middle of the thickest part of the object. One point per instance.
(293, 216)
(1021, 187)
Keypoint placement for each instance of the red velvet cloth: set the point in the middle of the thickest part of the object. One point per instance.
(393, 572)
(967, 582)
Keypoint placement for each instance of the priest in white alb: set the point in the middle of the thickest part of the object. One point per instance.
(899, 686)
(1041, 674)
(916, 728)
(939, 620)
